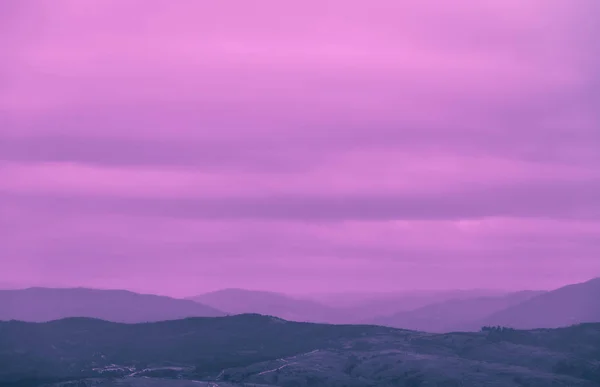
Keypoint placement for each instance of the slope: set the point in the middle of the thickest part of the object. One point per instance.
(45, 304)
(238, 301)
(267, 350)
(565, 306)
(368, 306)
(455, 314)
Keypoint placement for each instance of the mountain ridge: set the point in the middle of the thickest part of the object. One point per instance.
(38, 304)
(454, 314)
(243, 301)
(567, 305)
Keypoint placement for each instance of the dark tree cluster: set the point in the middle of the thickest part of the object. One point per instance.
(497, 329)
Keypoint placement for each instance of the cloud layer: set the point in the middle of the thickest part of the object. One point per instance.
(182, 147)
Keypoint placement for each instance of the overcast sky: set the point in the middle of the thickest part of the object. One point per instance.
(184, 146)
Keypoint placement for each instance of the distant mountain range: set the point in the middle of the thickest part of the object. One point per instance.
(330, 308)
(239, 301)
(151, 342)
(248, 349)
(572, 304)
(368, 306)
(46, 304)
(385, 303)
(568, 305)
(425, 311)
(454, 314)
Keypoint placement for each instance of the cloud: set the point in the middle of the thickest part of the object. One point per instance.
(187, 255)
(327, 138)
(541, 200)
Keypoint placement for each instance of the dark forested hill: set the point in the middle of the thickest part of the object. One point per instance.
(271, 351)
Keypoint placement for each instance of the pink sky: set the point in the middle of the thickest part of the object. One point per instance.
(342, 145)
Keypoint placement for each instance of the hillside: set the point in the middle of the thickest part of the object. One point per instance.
(271, 351)
(46, 304)
(331, 308)
(238, 301)
(368, 306)
(572, 304)
(454, 314)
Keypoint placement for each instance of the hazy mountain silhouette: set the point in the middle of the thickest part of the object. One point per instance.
(336, 308)
(239, 301)
(45, 304)
(565, 306)
(368, 306)
(455, 314)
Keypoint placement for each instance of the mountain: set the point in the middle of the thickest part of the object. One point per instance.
(239, 301)
(270, 351)
(455, 314)
(371, 308)
(565, 306)
(372, 305)
(45, 304)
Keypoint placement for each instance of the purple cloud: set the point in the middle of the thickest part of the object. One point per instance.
(298, 146)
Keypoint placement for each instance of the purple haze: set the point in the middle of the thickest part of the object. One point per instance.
(182, 147)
